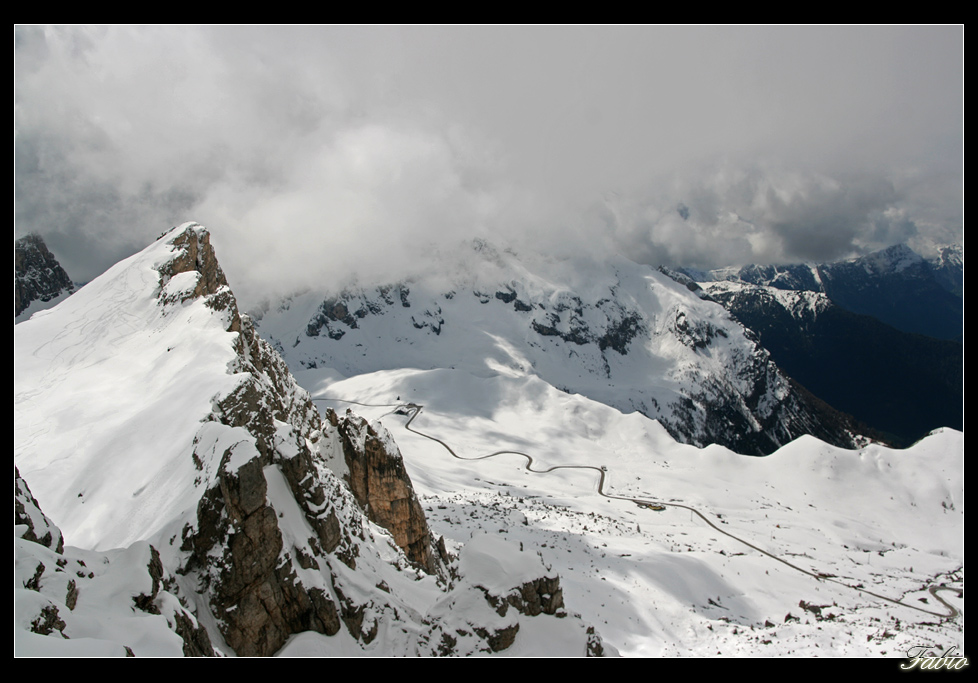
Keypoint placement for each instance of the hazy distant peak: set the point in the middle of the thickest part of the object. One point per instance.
(896, 258)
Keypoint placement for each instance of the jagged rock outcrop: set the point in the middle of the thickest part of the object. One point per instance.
(37, 274)
(381, 485)
(194, 258)
(256, 588)
(27, 513)
(59, 595)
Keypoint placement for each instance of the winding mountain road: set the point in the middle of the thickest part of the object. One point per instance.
(416, 409)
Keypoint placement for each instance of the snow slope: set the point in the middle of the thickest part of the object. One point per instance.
(617, 332)
(101, 376)
(664, 583)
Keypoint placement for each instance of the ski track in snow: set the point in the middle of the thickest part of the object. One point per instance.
(416, 411)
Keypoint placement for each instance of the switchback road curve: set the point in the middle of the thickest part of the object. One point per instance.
(415, 410)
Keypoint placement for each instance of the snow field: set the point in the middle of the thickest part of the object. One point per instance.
(665, 583)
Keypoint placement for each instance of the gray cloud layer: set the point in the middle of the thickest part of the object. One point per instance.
(311, 151)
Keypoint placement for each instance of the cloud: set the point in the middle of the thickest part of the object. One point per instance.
(736, 214)
(312, 152)
(376, 195)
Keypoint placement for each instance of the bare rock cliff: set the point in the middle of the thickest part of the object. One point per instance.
(382, 487)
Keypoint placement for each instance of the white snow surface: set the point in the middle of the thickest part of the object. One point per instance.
(108, 381)
(800, 303)
(663, 583)
(110, 390)
(496, 564)
(37, 306)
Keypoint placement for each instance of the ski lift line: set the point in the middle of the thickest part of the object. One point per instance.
(416, 411)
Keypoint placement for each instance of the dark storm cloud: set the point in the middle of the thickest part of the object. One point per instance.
(821, 220)
(333, 148)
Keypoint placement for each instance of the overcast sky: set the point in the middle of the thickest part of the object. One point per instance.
(311, 151)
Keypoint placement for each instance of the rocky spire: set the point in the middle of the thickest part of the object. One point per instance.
(383, 488)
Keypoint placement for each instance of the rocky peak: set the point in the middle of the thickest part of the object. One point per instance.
(948, 269)
(194, 256)
(208, 462)
(895, 258)
(259, 590)
(257, 453)
(37, 274)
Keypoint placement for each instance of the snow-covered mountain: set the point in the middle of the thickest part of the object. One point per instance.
(197, 486)
(903, 385)
(617, 332)
(895, 285)
(39, 280)
(209, 498)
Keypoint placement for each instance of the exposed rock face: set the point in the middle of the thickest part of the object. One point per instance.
(27, 512)
(498, 587)
(256, 595)
(195, 256)
(539, 596)
(51, 585)
(255, 589)
(37, 274)
(382, 487)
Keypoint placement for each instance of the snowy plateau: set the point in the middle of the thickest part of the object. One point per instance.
(583, 442)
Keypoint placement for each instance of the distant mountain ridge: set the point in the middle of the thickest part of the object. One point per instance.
(904, 385)
(615, 331)
(895, 285)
